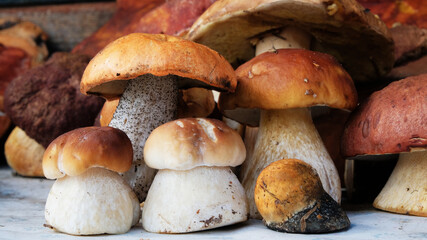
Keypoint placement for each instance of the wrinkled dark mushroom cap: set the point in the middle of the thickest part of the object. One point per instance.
(46, 101)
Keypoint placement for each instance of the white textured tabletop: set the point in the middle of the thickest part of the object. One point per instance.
(22, 217)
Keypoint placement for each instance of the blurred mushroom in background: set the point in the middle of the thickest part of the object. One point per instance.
(22, 46)
(46, 102)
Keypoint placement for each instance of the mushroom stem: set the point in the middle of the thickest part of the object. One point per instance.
(288, 134)
(96, 202)
(405, 191)
(290, 37)
(193, 200)
(147, 103)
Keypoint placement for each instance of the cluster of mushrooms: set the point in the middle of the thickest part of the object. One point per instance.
(292, 60)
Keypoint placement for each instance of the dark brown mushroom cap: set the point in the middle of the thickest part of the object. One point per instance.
(138, 54)
(391, 120)
(46, 101)
(344, 29)
(288, 78)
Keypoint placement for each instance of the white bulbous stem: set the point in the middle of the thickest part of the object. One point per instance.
(193, 200)
(288, 134)
(96, 202)
(406, 189)
(147, 103)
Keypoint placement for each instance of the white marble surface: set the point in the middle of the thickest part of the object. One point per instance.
(22, 217)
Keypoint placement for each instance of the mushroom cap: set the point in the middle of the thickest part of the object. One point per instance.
(45, 101)
(288, 78)
(392, 120)
(344, 29)
(76, 151)
(187, 143)
(138, 53)
(290, 197)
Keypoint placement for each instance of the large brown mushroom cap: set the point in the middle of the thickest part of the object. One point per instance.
(392, 120)
(289, 78)
(344, 29)
(76, 151)
(159, 55)
(46, 102)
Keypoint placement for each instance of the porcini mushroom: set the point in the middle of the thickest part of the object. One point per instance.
(89, 196)
(282, 86)
(290, 198)
(234, 27)
(394, 121)
(146, 71)
(195, 188)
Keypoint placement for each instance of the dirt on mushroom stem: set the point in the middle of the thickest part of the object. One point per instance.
(148, 102)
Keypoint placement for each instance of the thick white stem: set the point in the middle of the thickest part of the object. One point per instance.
(193, 200)
(96, 202)
(147, 103)
(288, 134)
(406, 189)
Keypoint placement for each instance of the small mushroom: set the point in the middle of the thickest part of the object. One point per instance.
(394, 121)
(290, 198)
(195, 188)
(146, 72)
(89, 196)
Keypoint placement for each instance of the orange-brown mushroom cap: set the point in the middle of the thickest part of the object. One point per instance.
(78, 150)
(289, 78)
(159, 55)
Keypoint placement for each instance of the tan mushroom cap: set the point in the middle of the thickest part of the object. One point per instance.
(392, 120)
(288, 78)
(159, 55)
(191, 142)
(344, 29)
(78, 150)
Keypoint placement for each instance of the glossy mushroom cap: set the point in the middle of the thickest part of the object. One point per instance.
(288, 78)
(76, 151)
(392, 120)
(158, 55)
(344, 29)
(187, 143)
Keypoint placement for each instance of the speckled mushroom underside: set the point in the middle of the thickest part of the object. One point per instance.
(147, 102)
(147, 71)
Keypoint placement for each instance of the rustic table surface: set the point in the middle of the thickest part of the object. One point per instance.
(22, 203)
